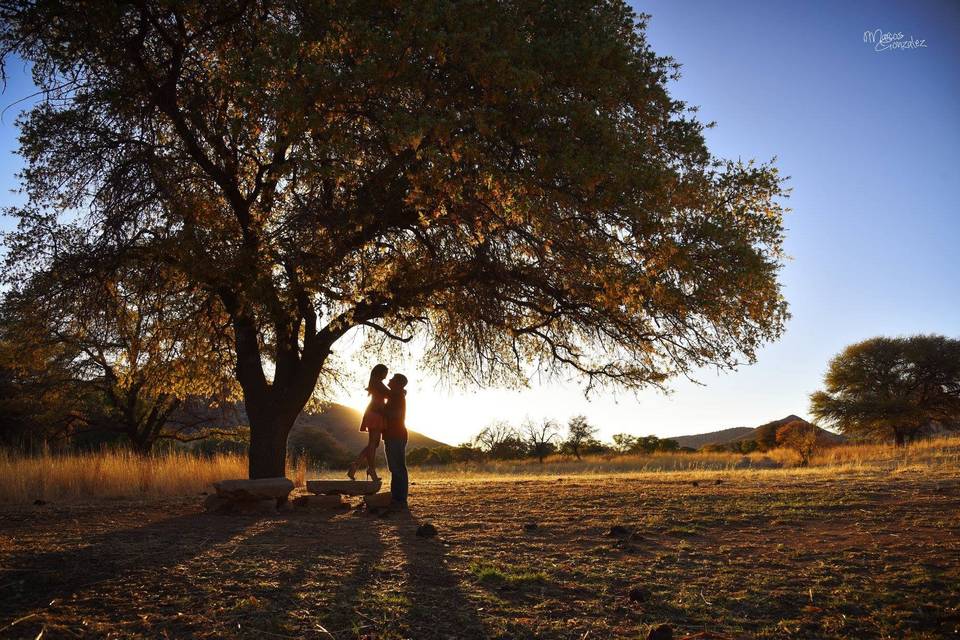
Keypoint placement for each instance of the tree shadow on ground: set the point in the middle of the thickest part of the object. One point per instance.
(318, 580)
(32, 580)
(438, 606)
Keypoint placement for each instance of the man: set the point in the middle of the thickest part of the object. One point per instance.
(395, 439)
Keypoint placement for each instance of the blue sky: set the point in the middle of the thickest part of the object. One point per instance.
(870, 142)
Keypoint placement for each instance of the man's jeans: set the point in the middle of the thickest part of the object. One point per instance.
(396, 449)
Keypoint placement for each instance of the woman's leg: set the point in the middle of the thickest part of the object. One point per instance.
(372, 446)
(362, 457)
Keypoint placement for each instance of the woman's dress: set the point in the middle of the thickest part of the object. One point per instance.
(373, 417)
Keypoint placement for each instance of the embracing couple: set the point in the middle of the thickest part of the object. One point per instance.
(385, 417)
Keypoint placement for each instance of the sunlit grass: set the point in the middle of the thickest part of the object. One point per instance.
(117, 474)
(121, 474)
(942, 453)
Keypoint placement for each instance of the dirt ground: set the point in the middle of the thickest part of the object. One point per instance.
(867, 556)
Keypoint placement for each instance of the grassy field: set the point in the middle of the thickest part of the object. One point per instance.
(863, 544)
(120, 474)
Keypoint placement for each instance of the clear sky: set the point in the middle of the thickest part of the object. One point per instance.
(870, 140)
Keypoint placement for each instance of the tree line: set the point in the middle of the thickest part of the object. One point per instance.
(501, 440)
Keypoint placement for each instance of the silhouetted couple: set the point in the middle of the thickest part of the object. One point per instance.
(385, 417)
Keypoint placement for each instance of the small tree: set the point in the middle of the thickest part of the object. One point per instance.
(886, 387)
(624, 442)
(467, 452)
(800, 436)
(579, 433)
(539, 437)
(493, 435)
(765, 437)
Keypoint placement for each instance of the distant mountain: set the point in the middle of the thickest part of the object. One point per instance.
(765, 432)
(723, 436)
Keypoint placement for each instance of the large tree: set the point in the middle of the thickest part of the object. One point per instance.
(892, 387)
(510, 180)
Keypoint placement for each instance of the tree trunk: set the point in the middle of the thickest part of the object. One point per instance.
(140, 444)
(899, 437)
(273, 407)
(268, 450)
(270, 424)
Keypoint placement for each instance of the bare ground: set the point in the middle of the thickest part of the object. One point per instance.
(866, 556)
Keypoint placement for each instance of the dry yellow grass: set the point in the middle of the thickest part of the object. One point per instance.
(117, 474)
(852, 458)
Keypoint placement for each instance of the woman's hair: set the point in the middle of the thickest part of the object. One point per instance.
(377, 374)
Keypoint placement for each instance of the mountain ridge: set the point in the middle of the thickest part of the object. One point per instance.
(740, 434)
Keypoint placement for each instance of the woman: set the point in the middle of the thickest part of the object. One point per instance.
(373, 422)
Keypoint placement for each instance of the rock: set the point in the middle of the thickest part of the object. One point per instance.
(661, 632)
(217, 504)
(39, 503)
(320, 502)
(531, 526)
(378, 500)
(344, 487)
(617, 531)
(253, 490)
(638, 593)
(426, 530)
(228, 505)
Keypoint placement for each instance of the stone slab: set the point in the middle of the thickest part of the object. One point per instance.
(344, 487)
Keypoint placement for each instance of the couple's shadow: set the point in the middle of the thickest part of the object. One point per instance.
(402, 585)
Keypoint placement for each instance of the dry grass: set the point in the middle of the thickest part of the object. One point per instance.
(846, 459)
(117, 474)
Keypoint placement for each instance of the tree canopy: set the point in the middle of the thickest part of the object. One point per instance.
(892, 387)
(510, 181)
(800, 436)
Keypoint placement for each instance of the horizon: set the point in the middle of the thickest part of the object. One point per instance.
(869, 148)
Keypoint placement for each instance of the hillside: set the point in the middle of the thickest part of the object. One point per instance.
(723, 436)
(765, 432)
